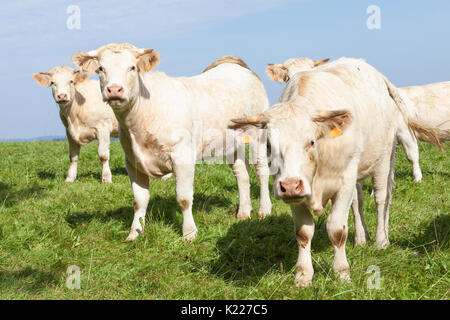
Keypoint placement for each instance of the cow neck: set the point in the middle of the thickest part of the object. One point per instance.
(137, 115)
(66, 111)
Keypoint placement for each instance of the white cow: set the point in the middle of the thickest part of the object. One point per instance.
(333, 126)
(428, 106)
(84, 114)
(159, 116)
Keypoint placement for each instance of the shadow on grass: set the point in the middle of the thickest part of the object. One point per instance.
(119, 171)
(28, 280)
(46, 175)
(435, 236)
(251, 248)
(10, 197)
(164, 209)
(400, 174)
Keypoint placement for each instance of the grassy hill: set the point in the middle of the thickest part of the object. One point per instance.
(47, 225)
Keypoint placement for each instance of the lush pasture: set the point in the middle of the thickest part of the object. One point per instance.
(47, 225)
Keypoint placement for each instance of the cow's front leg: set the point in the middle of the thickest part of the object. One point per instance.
(184, 172)
(74, 152)
(241, 171)
(103, 154)
(304, 231)
(361, 233)
(139, 184)
(337, 225)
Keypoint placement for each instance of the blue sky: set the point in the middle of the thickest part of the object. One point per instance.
(411, 48)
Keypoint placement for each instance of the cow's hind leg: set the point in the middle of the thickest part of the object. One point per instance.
(103, 155)
(383, 183)
(241, 170)
(262, 172)
(409, 143)
(361, 233)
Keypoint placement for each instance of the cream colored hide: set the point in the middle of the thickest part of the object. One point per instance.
(159, 115)
(429, 105)
(84, 114)
(404, 135)
(333, 126)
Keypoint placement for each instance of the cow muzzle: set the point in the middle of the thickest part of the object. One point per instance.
(62, 98)
(114, 92)
(291, 190)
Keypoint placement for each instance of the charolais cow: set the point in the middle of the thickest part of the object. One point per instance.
(428, 106)
(84, 114)
(160, 116)
(333, 126)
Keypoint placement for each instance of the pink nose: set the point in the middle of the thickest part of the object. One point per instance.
(61, 97)
(290, 188)
(114, 91)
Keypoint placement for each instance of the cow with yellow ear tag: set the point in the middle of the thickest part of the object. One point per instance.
(333, 126)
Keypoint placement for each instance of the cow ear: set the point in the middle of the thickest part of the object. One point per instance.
(148, 60)
(319, 62)
(43, 78)
(79, 76)
(86, 61)
(277, 72)
(332, 123)
(247, 128)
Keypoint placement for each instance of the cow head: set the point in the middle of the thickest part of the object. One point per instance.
(118, 67)
(283, 72)
(293, 137)
(62, 80)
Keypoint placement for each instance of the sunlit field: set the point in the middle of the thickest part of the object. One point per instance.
(47, 225)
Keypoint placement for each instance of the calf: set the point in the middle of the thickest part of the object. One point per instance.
(333, 126)
(84, 115)
(160, 115)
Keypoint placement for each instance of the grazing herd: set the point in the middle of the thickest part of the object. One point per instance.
(336, 123)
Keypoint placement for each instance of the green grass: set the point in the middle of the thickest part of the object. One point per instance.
(47, 225)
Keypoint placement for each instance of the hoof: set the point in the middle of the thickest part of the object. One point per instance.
(344, 276)
(133, 235)
(243, 216)
(360, 243)
(69, 180)
(301, 281)
(108, 181)
(188, 237)
(263, 215)
(166, 177)
(382, 244)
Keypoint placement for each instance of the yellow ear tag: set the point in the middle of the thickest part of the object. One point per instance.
(336, 132)
(246, 139)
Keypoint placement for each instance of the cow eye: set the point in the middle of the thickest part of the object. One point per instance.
(311, 144)
(71, 81)
(100, 69)
(132, 68)
(52, 83)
